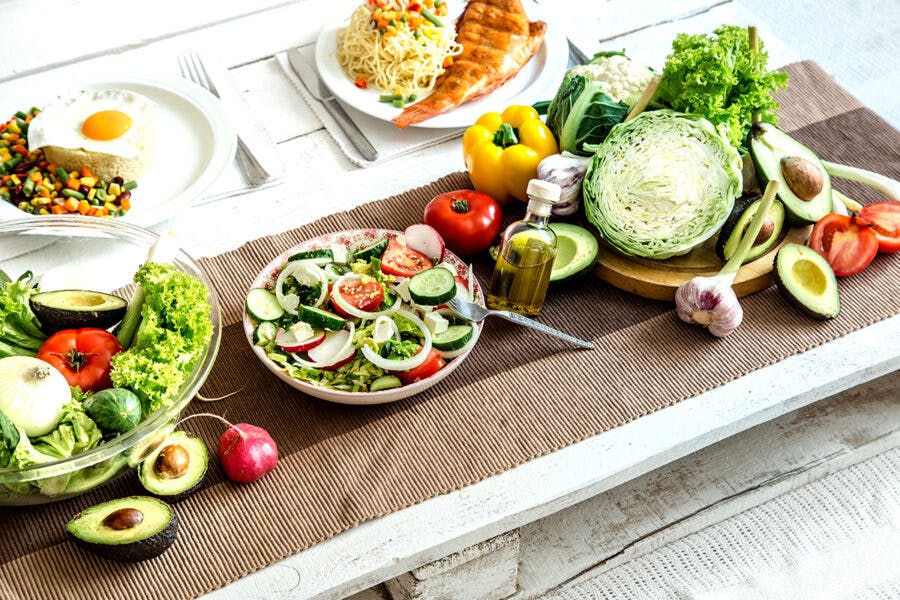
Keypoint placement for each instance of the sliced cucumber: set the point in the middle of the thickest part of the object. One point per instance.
(264, 333)
(321, 319)
(313, 254)
(376, 249)
(385, 382)
(262, 305)
(454, 338)
(432, 287)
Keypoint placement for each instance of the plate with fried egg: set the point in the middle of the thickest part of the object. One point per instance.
(168, 136)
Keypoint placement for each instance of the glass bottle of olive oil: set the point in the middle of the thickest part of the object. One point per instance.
(527, 251)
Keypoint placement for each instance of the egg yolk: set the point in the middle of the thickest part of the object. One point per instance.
(106, 125)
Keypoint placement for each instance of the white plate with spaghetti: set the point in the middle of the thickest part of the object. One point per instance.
(537, 80)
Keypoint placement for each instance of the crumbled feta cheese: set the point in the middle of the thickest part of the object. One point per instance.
(436, 323)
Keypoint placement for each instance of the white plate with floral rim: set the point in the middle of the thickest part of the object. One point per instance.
(355, 239)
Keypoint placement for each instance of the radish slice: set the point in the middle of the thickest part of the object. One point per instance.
(299, 339)
(426, 240)
(335, 351)
(305, 272)
(335, 345)
(351, 310)
(404, 364)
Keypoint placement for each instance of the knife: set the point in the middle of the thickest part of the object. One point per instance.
(310, 78)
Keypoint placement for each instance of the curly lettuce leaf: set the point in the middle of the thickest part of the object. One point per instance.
(720, 78)
(174, 329)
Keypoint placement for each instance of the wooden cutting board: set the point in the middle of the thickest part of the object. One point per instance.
(658, 279)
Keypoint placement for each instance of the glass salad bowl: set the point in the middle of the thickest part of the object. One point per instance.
(102, 255)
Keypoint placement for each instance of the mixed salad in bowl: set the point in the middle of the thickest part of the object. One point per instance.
(361, 316)
(97, 359)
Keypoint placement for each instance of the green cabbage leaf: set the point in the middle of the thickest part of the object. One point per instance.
(662, 184)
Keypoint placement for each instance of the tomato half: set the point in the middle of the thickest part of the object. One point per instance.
(366, 296)
(82, 356)
(847, 243)
(469, 221)
(432, 365)
(884, 217)
(402, 261)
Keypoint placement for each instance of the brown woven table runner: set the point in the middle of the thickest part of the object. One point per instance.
(518, 396)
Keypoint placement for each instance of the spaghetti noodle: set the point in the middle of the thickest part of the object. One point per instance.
(399, 47)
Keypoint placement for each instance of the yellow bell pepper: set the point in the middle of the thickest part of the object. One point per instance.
(502, 151)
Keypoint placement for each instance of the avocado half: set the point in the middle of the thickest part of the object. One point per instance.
(807, 280)
(125, 530)
(67, 309)
(768, 146)
(737, 222)
(176, 468)
(576, 251)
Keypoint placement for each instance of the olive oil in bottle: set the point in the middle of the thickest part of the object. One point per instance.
(527, 251)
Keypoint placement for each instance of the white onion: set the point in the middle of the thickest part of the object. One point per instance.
(32, 394)
(407, 363)
(345, 350)
(351, 310)
(290, 302)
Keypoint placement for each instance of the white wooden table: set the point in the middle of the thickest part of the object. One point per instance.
(855, 41)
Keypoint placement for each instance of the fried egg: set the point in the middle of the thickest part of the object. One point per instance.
(110, 121)
(108, 130)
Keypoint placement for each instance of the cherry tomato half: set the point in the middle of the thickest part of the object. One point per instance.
(366, 296)
(82, 356)
(884, 217)
(847, 243)
(402, 261)
(469, 221)
(432, 365)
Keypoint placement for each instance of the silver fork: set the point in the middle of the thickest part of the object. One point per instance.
(476, 312)
(192, 68)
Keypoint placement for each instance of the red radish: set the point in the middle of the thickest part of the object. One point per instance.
(287, 340)
(426, 240)
(335, 344)
(246, 452)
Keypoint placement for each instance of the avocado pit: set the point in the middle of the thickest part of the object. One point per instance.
(124, 518)
(172, 462)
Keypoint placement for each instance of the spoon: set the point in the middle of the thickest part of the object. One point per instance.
(476, 312)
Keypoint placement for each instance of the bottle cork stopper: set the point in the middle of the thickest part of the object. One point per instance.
(544, 191)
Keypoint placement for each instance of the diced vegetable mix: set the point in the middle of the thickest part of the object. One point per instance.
(37, 186)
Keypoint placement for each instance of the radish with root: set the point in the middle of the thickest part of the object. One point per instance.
(246, 452)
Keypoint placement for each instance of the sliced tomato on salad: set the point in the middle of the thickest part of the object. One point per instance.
(884, 217)
(361, 295)
(848, 243)
(433, 363)
(402, 261)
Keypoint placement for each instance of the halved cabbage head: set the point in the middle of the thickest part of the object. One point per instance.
(662, 184)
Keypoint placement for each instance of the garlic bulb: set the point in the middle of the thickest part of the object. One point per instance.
(710, 302)
(567, 171)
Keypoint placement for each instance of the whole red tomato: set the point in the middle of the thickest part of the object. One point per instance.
(848, 243)
(82, 356)
(469, 221)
